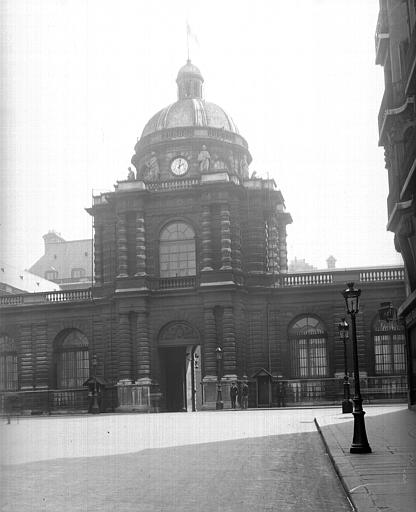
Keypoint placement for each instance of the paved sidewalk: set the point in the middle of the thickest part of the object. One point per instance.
(384, 480)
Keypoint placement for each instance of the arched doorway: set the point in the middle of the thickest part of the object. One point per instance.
(180, 367)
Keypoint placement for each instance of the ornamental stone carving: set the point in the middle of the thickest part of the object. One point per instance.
(178, 333)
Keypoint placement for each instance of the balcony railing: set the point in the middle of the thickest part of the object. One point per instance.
(47, 297)
(163, 186)
(172, 283)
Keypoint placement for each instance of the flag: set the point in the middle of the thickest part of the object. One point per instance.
(190, 34)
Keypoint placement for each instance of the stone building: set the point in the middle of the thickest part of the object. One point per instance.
(68, 263)
(191, 290)
(396, 52)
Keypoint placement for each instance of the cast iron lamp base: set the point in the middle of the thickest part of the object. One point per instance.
(359, 440)
(346, 406)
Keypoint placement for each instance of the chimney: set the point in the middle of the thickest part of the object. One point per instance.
(331, 262)
(52, 237)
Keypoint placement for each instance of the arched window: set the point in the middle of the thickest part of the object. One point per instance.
(307, 338)
(389, 348)
(72, 361)
(177, 250)
(8, 364)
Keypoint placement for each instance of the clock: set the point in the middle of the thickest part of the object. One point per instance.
(179, 166)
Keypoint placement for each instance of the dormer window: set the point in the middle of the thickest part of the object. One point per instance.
(51, 275)
(77, 273)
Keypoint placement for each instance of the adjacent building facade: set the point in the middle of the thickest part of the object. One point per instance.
(68, 263)
(396, 52)
(191, 291)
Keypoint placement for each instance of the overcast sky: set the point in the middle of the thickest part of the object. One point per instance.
(82, 77)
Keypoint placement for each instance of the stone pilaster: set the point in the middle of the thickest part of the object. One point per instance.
(256, 242)
(41, 356)
(143, 347)
(229, 344)
(124, 347)
(282, 249)
(210, 361)
(273, 248)
(122, 245)
(98, 254)
(225, 238)
(140, 245)
(26, 358)
(236, 241)
(206, 239)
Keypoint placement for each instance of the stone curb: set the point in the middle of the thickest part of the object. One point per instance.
(361, 501)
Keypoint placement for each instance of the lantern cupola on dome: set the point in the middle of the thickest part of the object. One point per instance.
(189, 82)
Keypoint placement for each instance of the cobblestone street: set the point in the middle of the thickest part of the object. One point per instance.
(213, 461)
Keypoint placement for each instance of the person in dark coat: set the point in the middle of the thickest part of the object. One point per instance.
(233, 394)
(244, 395)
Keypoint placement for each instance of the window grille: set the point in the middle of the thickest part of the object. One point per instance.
(8, 365)
(72, 361)
(177, 251)
(389, 348)
(308, 350)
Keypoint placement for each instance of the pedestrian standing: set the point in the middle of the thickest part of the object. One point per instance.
(244, 395)
(233, 394)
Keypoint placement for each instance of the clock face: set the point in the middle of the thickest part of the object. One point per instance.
(179, 166)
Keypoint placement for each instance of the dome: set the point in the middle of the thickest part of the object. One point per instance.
(190, 112)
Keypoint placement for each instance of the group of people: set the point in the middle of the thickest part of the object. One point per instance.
(240, 395)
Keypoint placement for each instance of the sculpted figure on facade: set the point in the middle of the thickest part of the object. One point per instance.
(204, 159)
(130, 175)
(244, 168)
(152, 167)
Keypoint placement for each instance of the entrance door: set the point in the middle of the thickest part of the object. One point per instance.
(173, 365)
(263, 391)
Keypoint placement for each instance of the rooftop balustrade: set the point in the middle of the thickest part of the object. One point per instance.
(328, 277)
(293, 280)
(47, 297)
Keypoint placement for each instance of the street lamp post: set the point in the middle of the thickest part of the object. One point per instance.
(359, 442)
(219, 404)
(343, 329)
(95, 409)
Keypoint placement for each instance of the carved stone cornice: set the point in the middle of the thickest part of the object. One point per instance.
(395, 122)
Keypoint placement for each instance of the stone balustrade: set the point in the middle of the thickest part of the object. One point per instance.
(367, 275)
(162, 186)
(170, 283)
(47, 297)
(299, 279)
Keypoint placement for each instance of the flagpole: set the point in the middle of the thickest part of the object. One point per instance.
(187, 38)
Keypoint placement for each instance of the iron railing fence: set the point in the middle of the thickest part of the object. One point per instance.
(318, 391)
